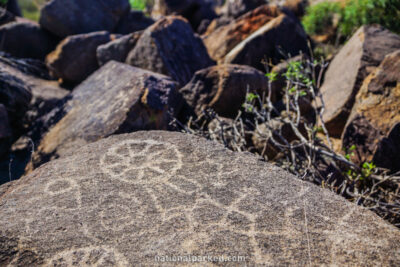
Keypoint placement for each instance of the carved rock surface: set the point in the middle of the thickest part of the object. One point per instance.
(347, 71)
(75, 59)
(282, 37)
(25, 39)
(118, 49)
(376, 111)
(129, 198)
(170, 47)
(117, 98)
(223, 88)
(70, 17)
(222, 40)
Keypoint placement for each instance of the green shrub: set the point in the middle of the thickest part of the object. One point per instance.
(352, 15)
(360, 12)
(138, 4)
(320, 16)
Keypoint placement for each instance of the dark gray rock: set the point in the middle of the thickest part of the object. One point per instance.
(5, 131)
(5, 16)
(282, 37)
(195, 11)
(128, 199)
(32, 75)
(344, 77)
(15, 95)
(118, 49)
(170, 47)
(26, 39)
(70, 17)
(132, 22)
(13, 7)
(75, 58)
(223, 88)
(117, 98)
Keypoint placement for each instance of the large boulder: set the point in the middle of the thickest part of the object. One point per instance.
(347, 71)
(133, 21)
(118, 98)
(375, 112)
(148, 197)
(25, 39)
(222, 40)
(170, 47)
(195, 11)
(75, 58)
(223, 88)
(70, 17)
(117, 49)
(282, 37)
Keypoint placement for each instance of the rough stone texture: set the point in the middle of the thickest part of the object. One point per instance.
(375, 112)
(26, 39)
(15, 96)
(75, 59)
(5, 131)
(32, 75)
(195, 11)
(222, 40)
(132, 22)
(124, 200)
(70, 17)
(170, 47)
(347, 71)
(223, 88)
(282, 37)
(118, 49)
(118, 98)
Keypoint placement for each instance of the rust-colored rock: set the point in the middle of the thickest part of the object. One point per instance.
(347, 71)
(221, 41)
(375, 112)
(282, 37)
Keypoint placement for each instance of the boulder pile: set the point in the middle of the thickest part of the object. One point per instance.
(93, 94)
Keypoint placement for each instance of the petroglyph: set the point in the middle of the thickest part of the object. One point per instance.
(129, 198)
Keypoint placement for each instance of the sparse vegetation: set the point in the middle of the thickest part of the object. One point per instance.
(310, 154)
(351, 15)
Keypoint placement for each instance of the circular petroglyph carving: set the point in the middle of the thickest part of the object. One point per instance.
(137, 161)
